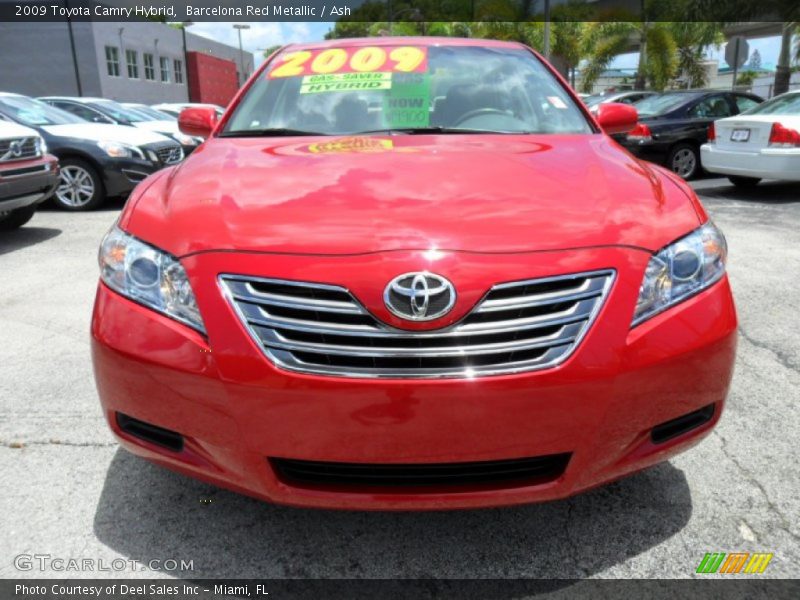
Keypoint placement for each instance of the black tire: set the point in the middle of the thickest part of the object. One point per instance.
(744, 182)
(80, 188)
(684, 160)
(14, 219)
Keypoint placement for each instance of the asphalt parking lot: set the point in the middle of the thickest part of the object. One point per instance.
(70, 492)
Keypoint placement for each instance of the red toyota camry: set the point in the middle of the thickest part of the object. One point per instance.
(411, 274)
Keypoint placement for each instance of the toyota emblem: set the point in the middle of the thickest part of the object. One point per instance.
(420, 296)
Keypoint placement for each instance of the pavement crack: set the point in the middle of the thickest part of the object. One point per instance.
(784, 522)
(782, 358)
(17, 445)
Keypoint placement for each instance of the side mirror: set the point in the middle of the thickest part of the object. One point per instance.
(614, 117)
(198, 121)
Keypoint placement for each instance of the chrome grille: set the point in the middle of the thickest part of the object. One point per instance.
(322, 329)
(19, 149)
(169, 155)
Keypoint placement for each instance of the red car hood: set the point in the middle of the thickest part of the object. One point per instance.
(479, 193)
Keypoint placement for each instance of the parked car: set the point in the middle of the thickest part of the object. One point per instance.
(175, 108)
(100, 110)
(149, 111)
(628, 97)
(673, 125)
(97, 160)
(762, 143)
(341, 302)
(28, 174)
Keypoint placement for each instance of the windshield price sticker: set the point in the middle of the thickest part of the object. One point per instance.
(345, 82)
(367, 59)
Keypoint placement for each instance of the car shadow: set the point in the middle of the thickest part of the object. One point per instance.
(111, 203)
(771, 192)
(146, 512)
(25, 236)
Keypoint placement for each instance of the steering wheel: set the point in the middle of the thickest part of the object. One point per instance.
(478, 112)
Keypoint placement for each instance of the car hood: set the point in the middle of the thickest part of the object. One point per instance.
(102, 132)
(165, 127)
(478, 193)
(12, 130)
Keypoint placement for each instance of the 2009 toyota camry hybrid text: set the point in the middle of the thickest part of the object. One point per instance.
(409, 273)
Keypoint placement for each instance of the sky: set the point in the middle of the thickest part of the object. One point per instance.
(263, 35)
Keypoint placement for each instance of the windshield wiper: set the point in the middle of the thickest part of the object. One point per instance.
(269, 132)
(436, 130)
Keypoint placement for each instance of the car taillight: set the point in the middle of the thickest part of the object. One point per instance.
(640, 132)
(783, 137)
(712, 134)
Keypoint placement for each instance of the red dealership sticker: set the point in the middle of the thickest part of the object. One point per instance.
(360, 59)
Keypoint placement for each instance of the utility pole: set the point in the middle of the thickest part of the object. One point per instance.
(184, 25)
(239, 27)
(546, 48)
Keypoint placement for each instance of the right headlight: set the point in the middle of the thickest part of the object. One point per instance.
(120, 150)
(680, 270)
(148, 276)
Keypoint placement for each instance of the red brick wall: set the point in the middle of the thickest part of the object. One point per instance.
(211, 79)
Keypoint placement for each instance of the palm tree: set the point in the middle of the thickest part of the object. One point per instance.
(657, 51)
(692, 38)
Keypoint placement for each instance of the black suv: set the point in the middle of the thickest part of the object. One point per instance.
(97, 160)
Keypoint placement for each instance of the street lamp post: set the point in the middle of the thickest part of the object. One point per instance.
(239, 27)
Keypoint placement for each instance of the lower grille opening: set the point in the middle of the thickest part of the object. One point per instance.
(150, 433)
(518, 471)
(675, 427)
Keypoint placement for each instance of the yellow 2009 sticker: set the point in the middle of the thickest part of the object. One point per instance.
(365, 59)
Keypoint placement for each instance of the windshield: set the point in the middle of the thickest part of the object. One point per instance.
(662, 103)
(361, 89)
(35, 113)
(787, 104)
(119, 112)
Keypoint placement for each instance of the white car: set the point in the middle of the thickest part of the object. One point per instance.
(176, 107)
(762, 143)
(101, 110)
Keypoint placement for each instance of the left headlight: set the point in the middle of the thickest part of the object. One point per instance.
(680, 270)
(148, 276)
(41, 146)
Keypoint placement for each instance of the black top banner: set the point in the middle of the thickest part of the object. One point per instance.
(730, 11)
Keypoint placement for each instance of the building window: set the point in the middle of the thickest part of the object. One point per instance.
(112, 61)
(149, 68)
(132, 60)
(164, 69)
(178, 71)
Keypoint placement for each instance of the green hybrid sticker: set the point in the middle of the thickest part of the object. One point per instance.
(407, 104)
(345, 82)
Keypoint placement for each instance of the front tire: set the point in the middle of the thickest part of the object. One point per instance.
(684, 160)
(80, 187)
(743, 182)
(14, 219)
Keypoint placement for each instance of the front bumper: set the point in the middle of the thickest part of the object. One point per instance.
(768, 163)
(27, 182)
(121, 175)
(236, 411)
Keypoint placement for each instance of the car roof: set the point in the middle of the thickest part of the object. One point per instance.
(406, 41)
(82, 100)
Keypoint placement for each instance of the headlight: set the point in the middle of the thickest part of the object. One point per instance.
(184, 140)
(148, 276)
(120, 150)
(681, 270)
(41, 146)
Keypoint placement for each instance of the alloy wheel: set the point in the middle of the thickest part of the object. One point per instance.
(684, 162)
(76, 188)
